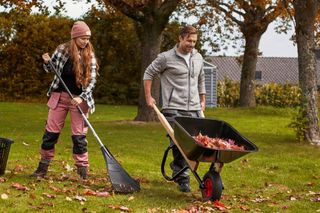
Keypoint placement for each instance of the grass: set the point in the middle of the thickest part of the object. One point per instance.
(282, 177)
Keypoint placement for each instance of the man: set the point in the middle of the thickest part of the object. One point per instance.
(182, 89)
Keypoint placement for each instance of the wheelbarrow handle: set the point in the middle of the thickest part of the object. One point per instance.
(193, 165)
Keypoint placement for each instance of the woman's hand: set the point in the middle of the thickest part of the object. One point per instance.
(76, 101)
(46, 58)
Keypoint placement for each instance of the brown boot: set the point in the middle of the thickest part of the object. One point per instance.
(82, 172)
(41, 171)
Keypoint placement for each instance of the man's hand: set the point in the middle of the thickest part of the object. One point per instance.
(203, 106)
(150, 101)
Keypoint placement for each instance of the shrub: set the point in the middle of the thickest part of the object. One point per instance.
(278, 95)
(228, 93)
(299, 124)
(271, 94)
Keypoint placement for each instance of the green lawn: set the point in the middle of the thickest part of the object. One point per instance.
(284, 176)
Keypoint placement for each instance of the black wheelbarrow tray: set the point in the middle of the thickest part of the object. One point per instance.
(184, 130)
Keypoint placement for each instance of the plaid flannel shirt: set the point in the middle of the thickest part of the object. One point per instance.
(58, 59)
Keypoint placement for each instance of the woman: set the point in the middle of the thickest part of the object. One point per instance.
(76, 63)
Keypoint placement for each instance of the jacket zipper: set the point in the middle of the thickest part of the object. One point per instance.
(189, 75)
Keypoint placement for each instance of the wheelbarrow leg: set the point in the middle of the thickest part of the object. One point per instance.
(163, 163)
(194, 172)
(216, 166)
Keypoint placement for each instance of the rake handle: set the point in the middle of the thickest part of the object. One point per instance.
(128, 184)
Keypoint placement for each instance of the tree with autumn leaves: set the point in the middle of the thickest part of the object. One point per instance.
(252, 17)
(151, 18)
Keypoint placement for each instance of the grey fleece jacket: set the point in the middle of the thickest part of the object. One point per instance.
(180, 85)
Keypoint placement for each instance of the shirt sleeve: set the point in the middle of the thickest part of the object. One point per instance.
(157, 66)
(55, 58)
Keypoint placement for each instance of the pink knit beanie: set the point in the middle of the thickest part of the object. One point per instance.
(80, 28)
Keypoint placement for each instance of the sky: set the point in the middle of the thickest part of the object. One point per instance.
(271, 44)
(277, 45)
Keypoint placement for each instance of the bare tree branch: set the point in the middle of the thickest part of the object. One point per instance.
(127, 9)
(244, 5)
(226, 12)
(168, 6)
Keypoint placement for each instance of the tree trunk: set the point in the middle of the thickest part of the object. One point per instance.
(247, 83)
(150, 37)
(151, 17)
(305, 19)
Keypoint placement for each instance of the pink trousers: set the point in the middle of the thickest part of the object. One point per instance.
(59, 105)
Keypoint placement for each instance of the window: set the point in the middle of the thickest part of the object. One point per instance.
(258, 75)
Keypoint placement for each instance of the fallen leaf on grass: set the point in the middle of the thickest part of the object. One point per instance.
(312, 193)
(317, 199)
(4, 196)
(296, 197)
(244, 161)
(202, 207)
(2, 180)
(118, 207)
(292, 198)
(98, 194)
(260, 199)
(55, 189)
(32, 196)
(49, 195)
(48, 204)
(85, 210)
(183, 211)
(311, 184)
(218, 205)
(244, 208)
(103, 194)
(68, 168)
(154, 210)
(278, 187)
(79, 198)
(35, 207)
(19, 186)
(316, 176)
(17, 168)
(89, 192)
(26, 144)
(130, 198)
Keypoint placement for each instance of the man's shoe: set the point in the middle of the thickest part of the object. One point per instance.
(41, 171)
(184, 187)
(82, 172)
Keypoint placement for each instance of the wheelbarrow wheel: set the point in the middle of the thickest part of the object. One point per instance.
(212, 186)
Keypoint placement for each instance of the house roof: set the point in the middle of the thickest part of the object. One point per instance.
(273, 69)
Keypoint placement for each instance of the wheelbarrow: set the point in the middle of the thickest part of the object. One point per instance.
(182, 135)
